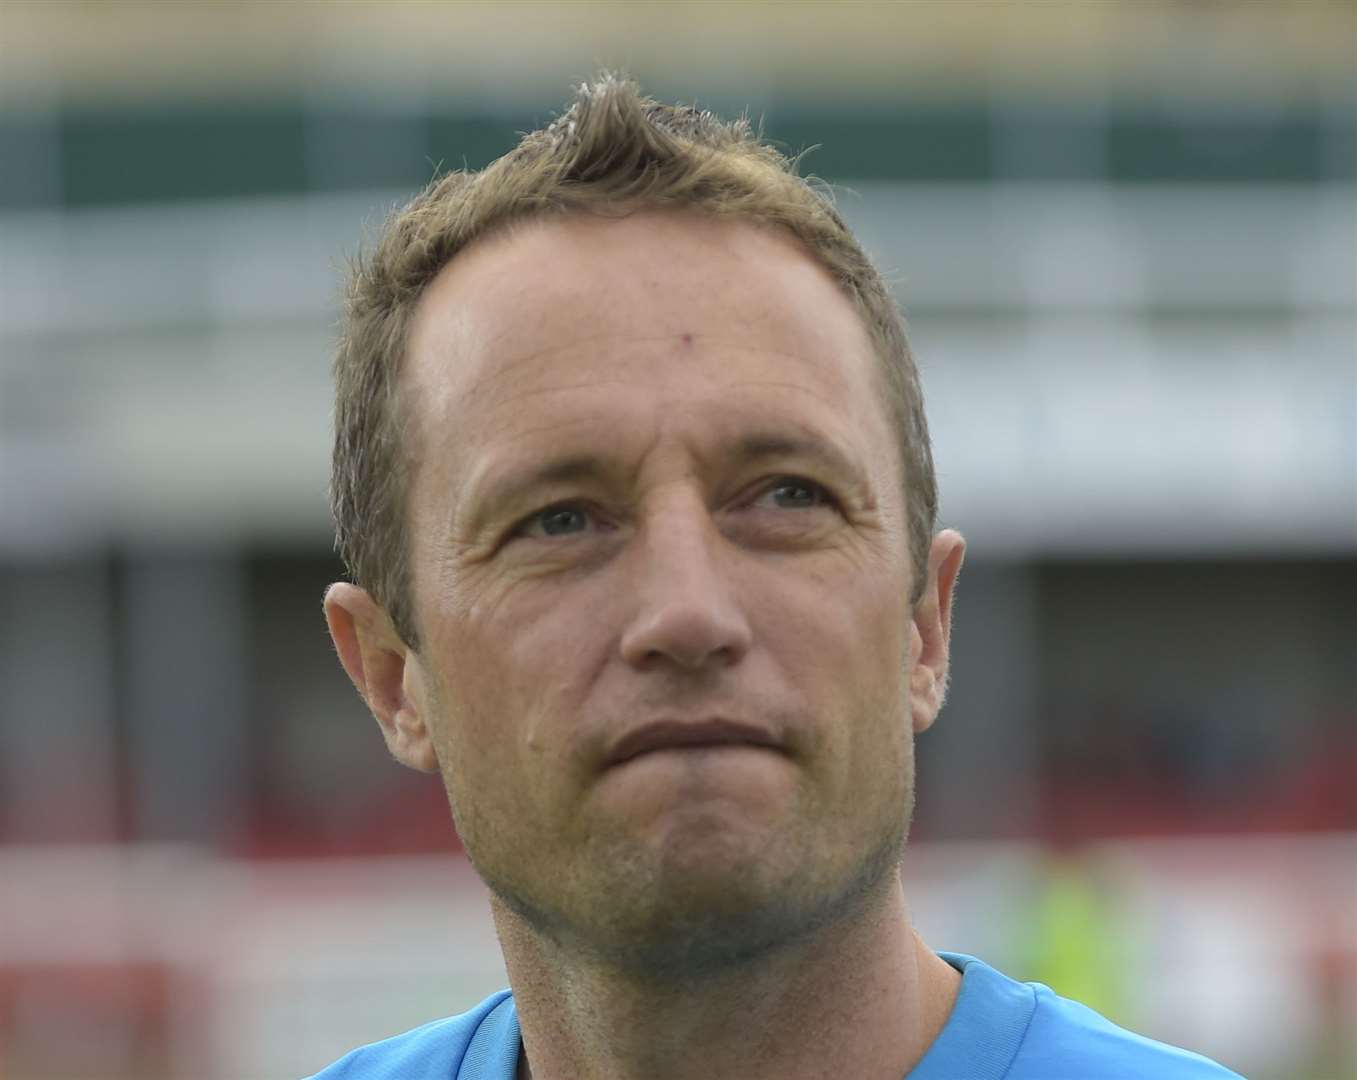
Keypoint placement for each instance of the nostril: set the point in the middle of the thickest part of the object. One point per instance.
(724, 656)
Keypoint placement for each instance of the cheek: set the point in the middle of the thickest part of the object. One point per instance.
(841, 640)
(514, 684)
(471, 706)
(859, 615)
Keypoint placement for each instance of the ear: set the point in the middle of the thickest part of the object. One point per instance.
(931, 633)
(385, 671)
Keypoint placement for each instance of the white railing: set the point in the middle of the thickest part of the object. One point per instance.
(164, 963)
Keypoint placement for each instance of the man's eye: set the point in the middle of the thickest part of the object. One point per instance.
(556, 521)
(794, 494)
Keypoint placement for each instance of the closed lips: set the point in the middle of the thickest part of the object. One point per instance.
(678, 734)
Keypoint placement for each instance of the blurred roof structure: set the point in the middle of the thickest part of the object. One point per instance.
(121, 50)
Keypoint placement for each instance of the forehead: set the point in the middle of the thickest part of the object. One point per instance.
(511, 297)
(579, 304)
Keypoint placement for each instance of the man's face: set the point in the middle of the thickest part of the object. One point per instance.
(657, 505)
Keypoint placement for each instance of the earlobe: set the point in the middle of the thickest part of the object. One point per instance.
(384, 670)
(931, 632)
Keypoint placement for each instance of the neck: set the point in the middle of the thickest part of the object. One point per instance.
(863, 999)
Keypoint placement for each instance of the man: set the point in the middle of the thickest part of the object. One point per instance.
(633, 479)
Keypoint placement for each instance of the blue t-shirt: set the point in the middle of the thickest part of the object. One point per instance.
(998, 1030)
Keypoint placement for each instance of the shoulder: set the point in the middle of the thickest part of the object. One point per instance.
(1066, 1038)
(436, 1051)
(1002, 1029)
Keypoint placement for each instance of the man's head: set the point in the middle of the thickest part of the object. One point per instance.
(673, 641)
(611, 152)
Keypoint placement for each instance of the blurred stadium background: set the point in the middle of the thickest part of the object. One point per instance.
(1125, 235)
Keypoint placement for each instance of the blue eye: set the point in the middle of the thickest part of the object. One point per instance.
(559, 521)
(793, 494)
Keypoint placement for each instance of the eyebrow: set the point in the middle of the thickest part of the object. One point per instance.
(761, 446)
(491, 493)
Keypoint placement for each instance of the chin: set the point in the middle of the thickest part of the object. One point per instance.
(711, 923)
(694, 910)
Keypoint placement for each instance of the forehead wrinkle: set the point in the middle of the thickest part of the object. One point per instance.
(765, 384)
(489, 394)
(487, 389)
(514, 396)
(840, 412)
(507, 363)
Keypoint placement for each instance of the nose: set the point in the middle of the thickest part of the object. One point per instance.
(686, 613)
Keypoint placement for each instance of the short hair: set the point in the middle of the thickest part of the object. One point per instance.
(611, 151)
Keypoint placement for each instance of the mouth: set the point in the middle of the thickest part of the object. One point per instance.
(688, 735)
